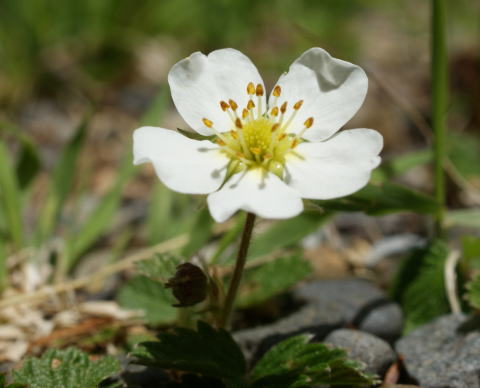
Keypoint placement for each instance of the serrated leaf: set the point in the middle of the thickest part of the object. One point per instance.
(69, 368)
(385, 198)
(207, 351)
(473, 292)
(419, 285)
(286, 233)
(160, 267)
(270, 279)
(150, 296)
(295, 362)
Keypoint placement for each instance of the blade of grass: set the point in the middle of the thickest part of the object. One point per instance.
(439, 105)
(10, 198)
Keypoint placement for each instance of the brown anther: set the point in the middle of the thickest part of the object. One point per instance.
(298, 105)
(240, 155)
(233, 104)
(282, 136)
(244, 113)
(251, 88)
(238, 123)
(256, 150)
(308, 122)
(250, 104)
(277, 90)
(275, 127)
(294, 143)
(259, 90)
(234, 134)
(267, 156)
(208, 123)
(283, 108)
(274, 111)
(220, 142)
(224, 105)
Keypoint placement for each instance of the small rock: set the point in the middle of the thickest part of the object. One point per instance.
(444, 353)
(374, 352)
(355, 302)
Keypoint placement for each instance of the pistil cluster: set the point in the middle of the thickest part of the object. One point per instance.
(259, 136)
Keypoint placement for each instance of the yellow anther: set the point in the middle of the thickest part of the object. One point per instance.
(277, 90)
(220, 142)
(267, 156)
(294, 142)
(308, 122)
(251, 88)
(283, 108)
(275, 127)
(224, 105)
(238, 123)
(250, 104)
(208, 123)
(256, 150)
(259, 90)
(244, 113)
(234, 134)
(240, 155)
(233, 104)
(298, 105)
(274, 111)
(282, 136)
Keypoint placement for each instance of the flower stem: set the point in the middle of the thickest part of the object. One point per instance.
(439, 106)
(226, 314)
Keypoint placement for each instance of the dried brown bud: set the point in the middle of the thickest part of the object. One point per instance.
(189, 285)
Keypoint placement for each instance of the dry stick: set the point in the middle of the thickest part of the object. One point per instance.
(451, 281)
(237, 272)
(121, 265)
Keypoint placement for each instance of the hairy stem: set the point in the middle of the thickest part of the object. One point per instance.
(226, 314)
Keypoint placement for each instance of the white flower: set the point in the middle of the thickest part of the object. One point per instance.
(263, 157)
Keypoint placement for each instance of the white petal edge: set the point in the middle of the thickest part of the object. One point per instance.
(336, 167)
(182, 164)
(332, 91)
(253, 191)
(198, 84)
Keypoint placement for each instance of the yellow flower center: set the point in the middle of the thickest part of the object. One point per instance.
(258, 138)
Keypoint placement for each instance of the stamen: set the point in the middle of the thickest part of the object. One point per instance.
(256, 150)
(283, 108)
(259, 90)
(298, 105)
(259, 93)
(238, 123)
(220, 142)
(224, 105)
(274, 111)
(234, 134)
(277, 90)
(308, 122)
(275, 127)
(250, 105)
(208, 123)
(244, 113)
(251, 89)
(233, 105)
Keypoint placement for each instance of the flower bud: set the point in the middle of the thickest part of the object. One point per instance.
(189, 285)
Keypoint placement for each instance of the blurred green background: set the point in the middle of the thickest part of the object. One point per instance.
(77, 77)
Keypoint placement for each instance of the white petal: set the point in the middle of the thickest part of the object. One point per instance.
(336, 167)
(332, 91)
(265, 195)
(198, 84)
(182, 164)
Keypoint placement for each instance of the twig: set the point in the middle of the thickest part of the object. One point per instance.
(451, 281)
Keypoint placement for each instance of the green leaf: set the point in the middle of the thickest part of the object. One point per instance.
(295, 362)
(150, 296)
(473, 292)
(3, 383)
(79, 240)
(383, 199)
(419, 285)
(270, 279)
(69, 368)
(200, 233)
(28, 164)
(464, 217)
(401, 164)
(286, 233)
(159, 219)
(10, 197)
(160, 267)
(156, 110)
(464, 153)
(207, 351)
(471, 252)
